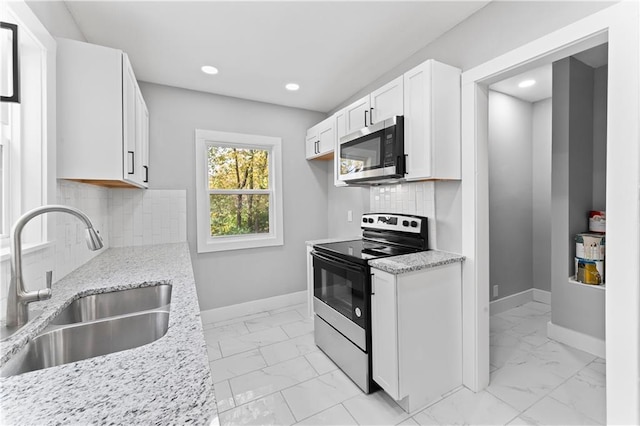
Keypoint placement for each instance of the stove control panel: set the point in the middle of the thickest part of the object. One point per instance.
(394, 222)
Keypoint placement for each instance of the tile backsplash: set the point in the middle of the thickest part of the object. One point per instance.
(409, 198)
(124, 217)
(147, 217)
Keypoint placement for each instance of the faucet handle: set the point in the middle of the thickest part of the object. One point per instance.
(45, 294)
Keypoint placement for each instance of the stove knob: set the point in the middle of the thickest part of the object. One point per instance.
(364, 220)
(370, 220)
(405, 223)
(358, 312)
(414, 224)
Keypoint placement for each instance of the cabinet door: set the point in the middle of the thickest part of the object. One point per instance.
(357, 115)
(432, 121)
(341, 130)
(326, 136)
(387, 101)
(311, 145)
(417, 121)
(143, 118)
(384, 326)
(130, 135)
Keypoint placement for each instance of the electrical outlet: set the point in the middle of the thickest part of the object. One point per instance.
(349, 216)
(495, 291)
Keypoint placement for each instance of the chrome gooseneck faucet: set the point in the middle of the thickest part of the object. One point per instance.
(18, 298)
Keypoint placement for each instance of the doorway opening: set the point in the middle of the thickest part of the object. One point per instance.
(539, 360)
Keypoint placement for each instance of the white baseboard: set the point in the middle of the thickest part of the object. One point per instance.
(515, 300)
(510, 302)
(542, 296)
(578, 340)
(253, 307)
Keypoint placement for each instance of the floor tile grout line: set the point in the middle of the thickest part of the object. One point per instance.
(566, 405)
(290, 409)
(281, 390)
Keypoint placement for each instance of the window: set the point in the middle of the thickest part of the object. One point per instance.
(27, 129)
(239, 191)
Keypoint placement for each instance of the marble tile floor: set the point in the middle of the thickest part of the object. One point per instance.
(267, 370)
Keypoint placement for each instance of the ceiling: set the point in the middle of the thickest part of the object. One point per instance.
(331, 49)
(542, 89)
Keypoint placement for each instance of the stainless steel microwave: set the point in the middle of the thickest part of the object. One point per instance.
(374, 154)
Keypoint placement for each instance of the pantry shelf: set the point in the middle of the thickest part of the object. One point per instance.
(572, 280)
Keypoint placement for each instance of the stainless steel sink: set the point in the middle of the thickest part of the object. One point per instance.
(96, 325)
(56, 346)
(103, 305)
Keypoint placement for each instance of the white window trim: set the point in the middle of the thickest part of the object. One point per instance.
(275, 237)
(41, 148)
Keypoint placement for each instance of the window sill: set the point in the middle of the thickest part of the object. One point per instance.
(236, 243)
(26, 249)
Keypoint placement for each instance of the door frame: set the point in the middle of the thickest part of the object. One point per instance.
(619, 24)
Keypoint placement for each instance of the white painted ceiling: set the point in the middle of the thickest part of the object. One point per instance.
(331, 49)
(594, 57)
(541, 90)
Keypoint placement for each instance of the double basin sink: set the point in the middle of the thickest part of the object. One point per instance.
(96, 325)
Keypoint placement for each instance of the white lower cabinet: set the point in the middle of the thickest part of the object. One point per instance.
(417, 333)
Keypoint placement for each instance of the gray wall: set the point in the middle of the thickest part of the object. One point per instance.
(600, 138)
(541, 191)
(497, 28)
(510, 194)
(342, 199)
(231, 277)
(573, 306)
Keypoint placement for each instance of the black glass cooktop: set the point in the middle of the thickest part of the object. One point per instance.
(362, 250)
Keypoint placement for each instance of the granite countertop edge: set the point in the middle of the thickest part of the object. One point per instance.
(415, 261)
(166, 381)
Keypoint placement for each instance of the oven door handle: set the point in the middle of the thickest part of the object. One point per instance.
(337, 263)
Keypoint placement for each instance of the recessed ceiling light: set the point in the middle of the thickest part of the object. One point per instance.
(527, 83)
(292, 87)
(208, 69)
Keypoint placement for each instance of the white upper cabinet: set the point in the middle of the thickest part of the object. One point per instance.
(321, 140)
(432, 121)
(103, 122)
(379, 105)
(387, 101)
(357, 115)
(341, 130)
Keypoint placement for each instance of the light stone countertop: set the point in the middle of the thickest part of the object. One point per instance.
(165, 382)
(415, 261)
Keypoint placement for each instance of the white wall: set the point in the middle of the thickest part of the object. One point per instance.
(237, 276)
(55, 16)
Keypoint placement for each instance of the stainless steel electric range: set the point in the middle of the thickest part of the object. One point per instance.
(342, 288)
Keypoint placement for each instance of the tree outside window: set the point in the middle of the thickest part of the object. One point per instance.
(239, 185)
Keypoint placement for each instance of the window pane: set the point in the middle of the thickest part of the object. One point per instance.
(237, 214)
(234, 168)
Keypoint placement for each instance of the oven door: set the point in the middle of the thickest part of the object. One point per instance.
(340, 296)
